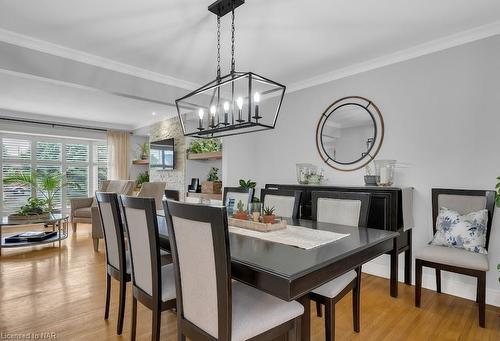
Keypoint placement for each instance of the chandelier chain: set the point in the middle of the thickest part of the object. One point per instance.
(218, 47)
(233, 63)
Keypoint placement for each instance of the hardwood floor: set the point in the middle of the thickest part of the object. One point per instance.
(44, 290)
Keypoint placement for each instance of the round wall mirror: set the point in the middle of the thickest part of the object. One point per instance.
(350, 133)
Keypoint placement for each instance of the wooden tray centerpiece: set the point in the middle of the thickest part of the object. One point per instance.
(256, 225)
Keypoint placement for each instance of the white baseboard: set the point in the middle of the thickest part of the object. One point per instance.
(449, 283)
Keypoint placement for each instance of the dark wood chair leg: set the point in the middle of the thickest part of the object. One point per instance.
(481, 284)
(95, 242)
(156, 323)
(134, 318)
(121, 306)
(319, 313)
(108, 293)
(330, 320)
(438, 281)
(73, 225)
(292, 333)
(418, 282)
(356, 301)
(477, 293)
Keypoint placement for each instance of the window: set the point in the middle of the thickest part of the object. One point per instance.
(100, 165)
(84, 162)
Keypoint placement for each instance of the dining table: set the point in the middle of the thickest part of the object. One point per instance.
(291, 273)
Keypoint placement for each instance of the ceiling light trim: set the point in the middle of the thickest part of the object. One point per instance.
(32, 43)
(433, 46)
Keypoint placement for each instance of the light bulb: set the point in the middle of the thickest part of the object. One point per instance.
(256, 97)
(226, 106)
(201, 113)
(239, 103)
(213, 110)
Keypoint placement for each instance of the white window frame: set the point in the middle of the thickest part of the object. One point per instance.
(33, 162)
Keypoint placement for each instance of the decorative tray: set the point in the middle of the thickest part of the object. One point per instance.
(257, 226)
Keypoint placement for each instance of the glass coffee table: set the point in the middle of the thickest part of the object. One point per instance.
(58, 223)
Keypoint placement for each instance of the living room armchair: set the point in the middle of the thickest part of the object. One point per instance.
(84, 210)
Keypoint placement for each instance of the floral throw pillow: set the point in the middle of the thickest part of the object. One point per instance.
(461, 231)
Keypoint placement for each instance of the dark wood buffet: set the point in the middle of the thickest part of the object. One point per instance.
(385, 214)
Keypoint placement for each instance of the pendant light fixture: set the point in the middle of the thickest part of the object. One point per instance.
(237, 103)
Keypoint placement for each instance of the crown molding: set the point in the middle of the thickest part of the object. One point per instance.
(433, 46)
(21, 40)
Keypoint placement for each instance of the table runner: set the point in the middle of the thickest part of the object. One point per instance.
(297, 236)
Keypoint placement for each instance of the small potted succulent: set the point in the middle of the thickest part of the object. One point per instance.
(268, 217)
(241, 213)
(213, 185)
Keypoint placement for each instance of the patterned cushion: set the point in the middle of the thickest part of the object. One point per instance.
(461, 231)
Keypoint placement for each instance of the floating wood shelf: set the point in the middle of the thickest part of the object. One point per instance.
(205, 156)
(205, 195)
(140, 162)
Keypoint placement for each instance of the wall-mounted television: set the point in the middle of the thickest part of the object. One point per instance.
(162, 154)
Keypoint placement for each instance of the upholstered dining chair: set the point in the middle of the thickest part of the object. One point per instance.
(220, 309)
(154, 190)
(117, 258)
(152, 284)
(461, 261)
(286, 203)
(343, 208)
(232, 195)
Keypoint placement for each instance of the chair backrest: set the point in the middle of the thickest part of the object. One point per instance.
(172, 194)
(118, 186)
(345, 208)
(154, 190)
(463, 201)
(143, 240)
(199, 244)
(112, 227)
(286, 203)
(237, 194)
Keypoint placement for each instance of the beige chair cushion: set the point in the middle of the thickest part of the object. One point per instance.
(338, 211)
(454, 257)
(167, 283)
(255, 311)
(83, 212)
(335, 286)
(282, 204)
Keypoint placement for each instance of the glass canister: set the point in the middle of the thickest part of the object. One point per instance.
(304, 171)
(385, 172)
(255, 210)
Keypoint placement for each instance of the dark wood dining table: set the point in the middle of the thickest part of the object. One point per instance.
(290, 273)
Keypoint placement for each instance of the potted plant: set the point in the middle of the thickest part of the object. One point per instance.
(370, 178)
(205, 146)
(142, 178)
(34, 208)
(213, 185)
(46, 183)
(143, 150)
(269, 216)
(240, 213)
(247, 184)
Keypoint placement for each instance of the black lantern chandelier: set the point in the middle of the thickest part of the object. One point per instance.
(237, 103)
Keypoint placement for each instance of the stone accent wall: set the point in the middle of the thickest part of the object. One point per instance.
(175, 179)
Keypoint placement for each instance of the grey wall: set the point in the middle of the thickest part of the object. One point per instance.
(442, 118)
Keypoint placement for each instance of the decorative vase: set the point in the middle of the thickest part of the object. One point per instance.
(371, 180)
(385, 172)
(241, 215)
(269, 219)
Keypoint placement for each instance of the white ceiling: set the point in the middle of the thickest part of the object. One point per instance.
(294, 42)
